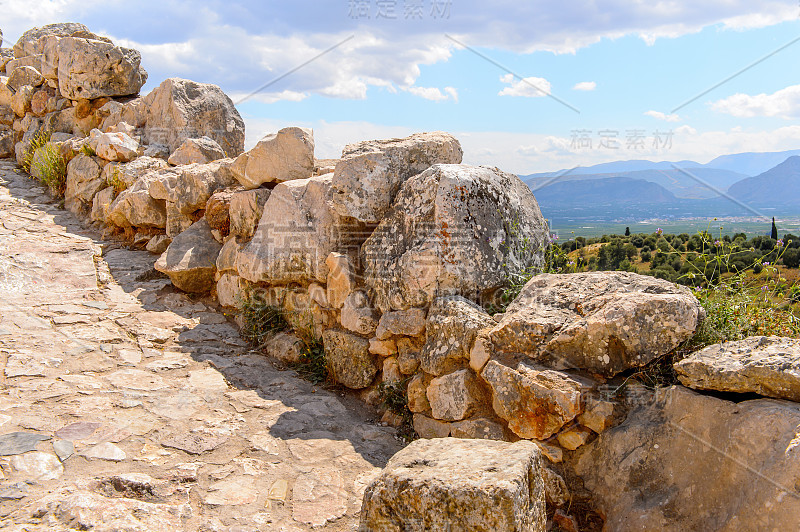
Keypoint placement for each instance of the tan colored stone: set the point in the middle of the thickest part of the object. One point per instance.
(190, 260)
(382, 348)
(535, 403)
(409, 322)
(453, 484)
(478, 428)
(341, 279)
(349, 360)
(597, 414)
(286, 347)
(391, 371)
(426, 427)
(766, 365)
(282, 156)
(197, 150)
(358, 316)
(480, 353)
(245, 211)
(573, 437)
(455, 396)
(90, 69)
(417, 396)
(605, 322)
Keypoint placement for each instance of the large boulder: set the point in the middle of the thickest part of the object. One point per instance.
(282, 156)
(684, 461)
(115, 147)
(190, 260)
(605, 322)
(30, 42)
(766, 365)
(297, 232)
(200, 151)
(452, 325)
(454, 484)
(83, 182)
(370, 173)
(179, 109)
(89, 69)
(124, 175)
(535, 402)
(453, 230)
(135, 207)
(6, 144)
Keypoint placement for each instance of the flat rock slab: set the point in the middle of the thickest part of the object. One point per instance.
(194, 443)
(453, 484)
(20, 442)
(78, 431)
(766, 365)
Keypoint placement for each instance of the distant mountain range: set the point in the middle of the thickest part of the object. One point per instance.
(682, 189)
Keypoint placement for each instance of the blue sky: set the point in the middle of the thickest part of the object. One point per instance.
(625, 65)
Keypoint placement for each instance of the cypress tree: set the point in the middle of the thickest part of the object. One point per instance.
(774, 234)
(627, 231)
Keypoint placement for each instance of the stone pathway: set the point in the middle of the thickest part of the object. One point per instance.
(126, 405)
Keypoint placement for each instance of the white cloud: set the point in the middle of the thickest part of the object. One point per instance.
(228, 44)
(531, 87)
(585, 86)
(663, 116)
(434, 94)
(784, 103)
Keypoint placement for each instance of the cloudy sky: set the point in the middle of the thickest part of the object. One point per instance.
(526, 86)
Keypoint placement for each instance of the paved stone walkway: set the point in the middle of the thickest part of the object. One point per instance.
(125, 405)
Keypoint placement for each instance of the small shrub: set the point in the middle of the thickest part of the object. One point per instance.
(38, 140)
(313, 365)
(115, 181)
(261, 320)
(50, 167)
(394, 397)
(88, 151)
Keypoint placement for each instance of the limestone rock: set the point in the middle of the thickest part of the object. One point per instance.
(126, 174)
(101, 204)
(383, 348)
(453, 230)
(201, 150)
(116, 147)
(555, 489)
(286, 347)
(135, 207)
(452, 324)
(341, 279)
(296, 234)
(245, 211)
(685, 461)
(358, 316)
(39, 102)
(179, 109)
(24, 75)
(189, 187)
(427, 427)
(477, 428)
(37, 466)
(190, 260)
(573, 437)
(409, 322)
(229, 290)
(455, 396)
(89, 69)
(33, 61)
(536, 404)
(83, 182)
(158, 244)
(417, 394)
(29, 42)
(282, 156)
(408, 355)
(349, 359)
(606, 322)
(218, 211)
(370, 173)
(597, 414)
(6, 94)
(6, 55)
(226, 260)
(452, 484)
(21, 100)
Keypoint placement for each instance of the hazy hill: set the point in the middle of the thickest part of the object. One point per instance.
(610, 190)
(687, 183)
(778, 186)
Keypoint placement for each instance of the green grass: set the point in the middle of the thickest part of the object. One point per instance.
(51, 168)
(394, 397)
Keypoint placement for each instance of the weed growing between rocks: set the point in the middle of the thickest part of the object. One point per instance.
(51, 168)
(88, 151)
(261, 320)
(313, 365)
(39, 139)
(115, 181)
(393, 397)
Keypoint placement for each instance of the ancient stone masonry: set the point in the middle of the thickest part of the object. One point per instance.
(389, 257)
